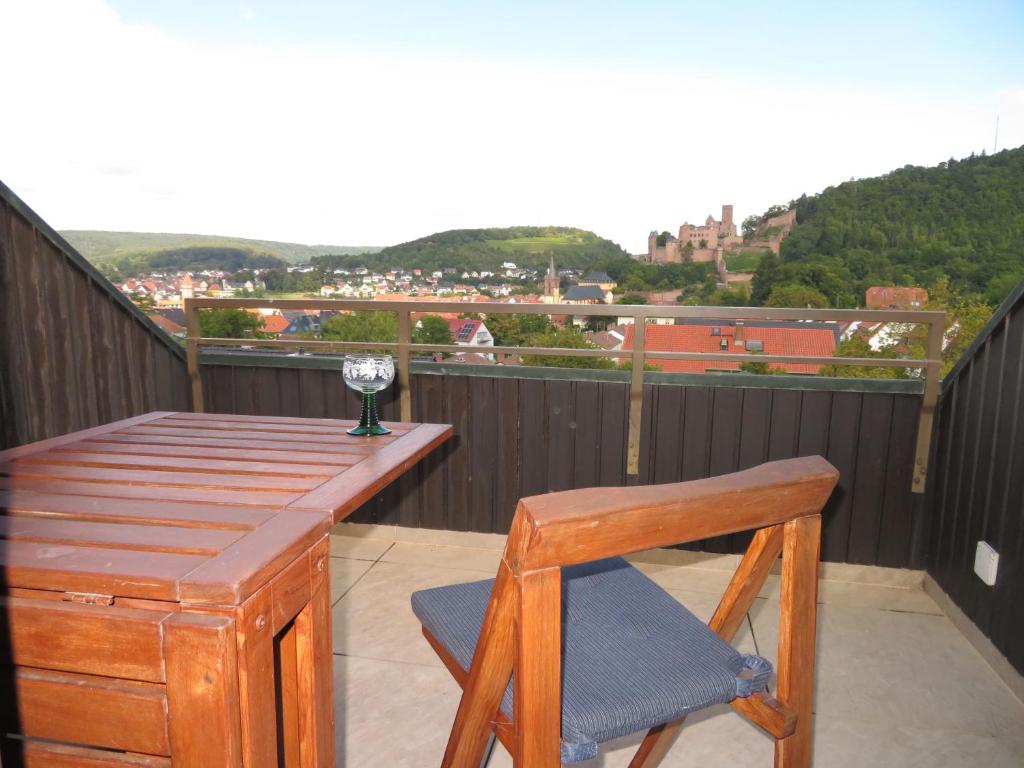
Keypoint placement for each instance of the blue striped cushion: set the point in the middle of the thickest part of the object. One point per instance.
(632, 656)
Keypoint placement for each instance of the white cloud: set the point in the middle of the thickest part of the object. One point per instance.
(118, 126)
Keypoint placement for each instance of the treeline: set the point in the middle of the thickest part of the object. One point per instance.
(962, 220)
(189, 258)
(485, 249)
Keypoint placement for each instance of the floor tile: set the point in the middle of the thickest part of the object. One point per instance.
(391, 714)
(344, 573)
(374, 620)
(442, 556)
(357, 548)
(900, 669)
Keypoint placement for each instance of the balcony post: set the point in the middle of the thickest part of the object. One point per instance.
(404, 377)
(192, 354)
(932, 374)
(636, 399)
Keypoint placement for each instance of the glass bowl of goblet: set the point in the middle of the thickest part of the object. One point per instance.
(368, 374)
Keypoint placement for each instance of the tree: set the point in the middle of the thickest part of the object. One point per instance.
(703, 243)
(513, 330)
(565, 338)
(362, 326)
(432, 330)
(750, 225)
(631, 298)
(228, 323)
(763, 369)
(797, 297)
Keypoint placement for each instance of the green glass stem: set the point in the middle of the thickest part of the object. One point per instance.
(369, 420)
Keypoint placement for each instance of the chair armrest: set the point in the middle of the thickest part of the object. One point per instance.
(578, 526)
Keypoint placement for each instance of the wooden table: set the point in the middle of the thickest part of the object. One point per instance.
(167, 592)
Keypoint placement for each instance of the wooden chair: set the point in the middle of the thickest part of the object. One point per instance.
(522, 632)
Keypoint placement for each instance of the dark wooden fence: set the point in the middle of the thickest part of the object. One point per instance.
(522, 431)
(976, 492)
(74, 352)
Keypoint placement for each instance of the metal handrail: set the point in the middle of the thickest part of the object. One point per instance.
(639, 313)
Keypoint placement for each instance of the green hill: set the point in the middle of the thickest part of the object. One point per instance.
(961, 221)
(487, 249)
(100, 246)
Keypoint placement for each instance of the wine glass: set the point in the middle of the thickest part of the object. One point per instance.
(368, 374)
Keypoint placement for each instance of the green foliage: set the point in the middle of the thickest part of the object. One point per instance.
(486, 249)
(191, 259)
(99, 246)
(763, 369)
(744, 261)
(960, 219)
(695, 280)
(860, 347)
(564, 338)
(797, 296)
(730, 297)
(365, 326)
(631, 298)
(228, 323)
(283, 281)
(432, 330)
(514, 330)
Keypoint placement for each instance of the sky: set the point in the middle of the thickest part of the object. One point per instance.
(374, 123)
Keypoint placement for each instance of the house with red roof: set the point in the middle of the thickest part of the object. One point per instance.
(470, 333)
(737, 337)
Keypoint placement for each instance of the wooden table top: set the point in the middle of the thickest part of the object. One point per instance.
(188, 507)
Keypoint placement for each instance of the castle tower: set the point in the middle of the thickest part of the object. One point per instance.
(552, 283)
(187, 287)
(727, 218)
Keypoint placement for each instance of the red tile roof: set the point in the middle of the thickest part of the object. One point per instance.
(168, 325)
(465, 327)
(275, 323)
(794, 340)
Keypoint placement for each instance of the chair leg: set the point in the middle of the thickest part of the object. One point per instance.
(537, 714)
(489, 751)
(798, 600)
(656, 744)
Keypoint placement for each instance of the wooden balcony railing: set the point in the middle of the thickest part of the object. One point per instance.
(930, 365)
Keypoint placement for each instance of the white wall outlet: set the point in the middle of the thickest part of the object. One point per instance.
(986, 563)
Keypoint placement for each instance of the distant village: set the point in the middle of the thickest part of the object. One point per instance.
(162, 295)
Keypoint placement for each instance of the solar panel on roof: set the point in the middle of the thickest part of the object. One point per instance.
(466, 332)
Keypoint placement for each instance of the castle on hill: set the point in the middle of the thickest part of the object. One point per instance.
(698, 243)
(711, 241)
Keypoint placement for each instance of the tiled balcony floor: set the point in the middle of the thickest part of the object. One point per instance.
(897, 684)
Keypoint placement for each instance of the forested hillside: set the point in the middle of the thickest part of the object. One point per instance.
(100, 245)
(962, 220)
(190, 258)
(487, 249)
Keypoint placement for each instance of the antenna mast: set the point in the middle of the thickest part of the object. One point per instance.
(995, 144)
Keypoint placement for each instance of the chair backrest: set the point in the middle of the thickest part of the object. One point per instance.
(521, 631)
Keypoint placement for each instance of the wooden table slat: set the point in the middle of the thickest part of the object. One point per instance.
(159, 478)
(299, 420)
(243, 436)
(67, 568)
(337, 429)
(153, 512)
(178, 464)
(290, 447)
(349, 490)
(150, 538)
(317, 459)
(147, 493)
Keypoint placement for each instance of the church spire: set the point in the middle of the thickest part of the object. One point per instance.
(551, 267)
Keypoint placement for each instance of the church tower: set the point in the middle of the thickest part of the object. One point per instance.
(552, 283)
